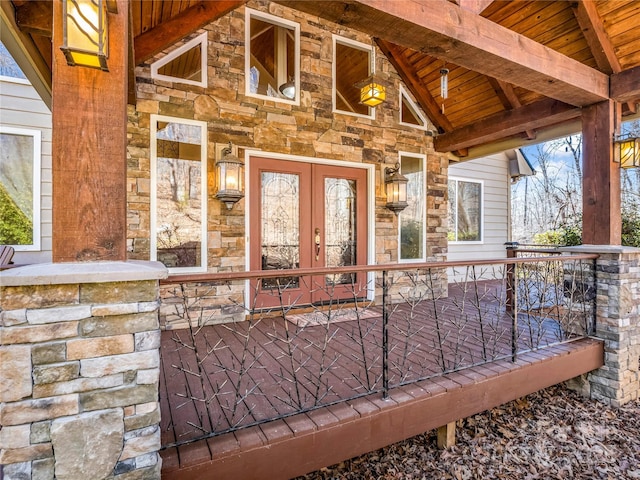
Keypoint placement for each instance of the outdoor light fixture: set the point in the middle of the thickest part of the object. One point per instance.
(628, 150)
(372, 92)
(230, 174)
(396, 188)
(444, 83)
(288, 89)
(85, 33)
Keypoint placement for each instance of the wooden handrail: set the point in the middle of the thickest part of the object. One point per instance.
(394, 267)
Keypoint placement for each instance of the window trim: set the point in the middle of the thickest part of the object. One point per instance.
(281, 22)
(153, 240)
(468, 242)
(35, 246)
(201, 39)
(415, 108)
(423, 158)
(372, 58)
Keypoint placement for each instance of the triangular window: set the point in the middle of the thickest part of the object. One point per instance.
(410, 113)
(187, 64)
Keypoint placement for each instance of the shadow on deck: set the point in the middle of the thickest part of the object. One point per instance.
(271, 398)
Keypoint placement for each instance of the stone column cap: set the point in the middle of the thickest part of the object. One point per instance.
(604, 249)
(82, 272)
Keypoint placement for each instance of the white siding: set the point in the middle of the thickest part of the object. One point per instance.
(21, 107)
(494, 172)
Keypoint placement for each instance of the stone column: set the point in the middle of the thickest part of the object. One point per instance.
(80, 365)
(617, 323)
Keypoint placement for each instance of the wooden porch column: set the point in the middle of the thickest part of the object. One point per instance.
(89, 149)
(601, 217)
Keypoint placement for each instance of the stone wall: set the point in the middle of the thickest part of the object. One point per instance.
(79, 354)
(309, 129)
(617, 323)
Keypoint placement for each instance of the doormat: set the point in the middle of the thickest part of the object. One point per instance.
(320, 317)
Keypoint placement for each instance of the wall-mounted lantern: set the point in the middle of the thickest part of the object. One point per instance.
(627, 150)
(85, 33)
(288, 89)
(396, 188)
(230, 175)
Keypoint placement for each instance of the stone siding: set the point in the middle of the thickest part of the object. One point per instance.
(80, 374)
(310, 129)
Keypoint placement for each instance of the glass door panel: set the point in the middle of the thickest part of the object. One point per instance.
(280, 220)
(340, 227)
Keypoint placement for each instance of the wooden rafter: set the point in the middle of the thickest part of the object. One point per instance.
(536, 115)
(625, 86)
(414, 84)
(450, 33)
(509, 99)
(475, 6)
(35, 17)
(169, 32)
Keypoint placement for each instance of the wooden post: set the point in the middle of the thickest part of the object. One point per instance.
(601, 217)
(447, 435)
(89, 149)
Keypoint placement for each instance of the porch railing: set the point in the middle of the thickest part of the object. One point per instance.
(238, 363)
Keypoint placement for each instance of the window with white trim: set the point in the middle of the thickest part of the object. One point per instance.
(187, 64)
(412, 220)
(410, 113)
(272, 57)
(179, 193)
(351, 65)
(465, 210)
(20, 162)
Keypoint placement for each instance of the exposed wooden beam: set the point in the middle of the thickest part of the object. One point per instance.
(601, 218)
(475, 6)
(453, 34)
(426, 101)
(188, 21)
(625, 86)
(35, 17)
(504, 124)
(594, 33)
(509, 99)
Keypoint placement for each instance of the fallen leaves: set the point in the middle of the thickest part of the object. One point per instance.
(552, 434)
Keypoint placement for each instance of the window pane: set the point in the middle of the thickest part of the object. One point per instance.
(340, 227)
(272, 57)
(412, 217)
(186, 66)
(8, 66)
(179, 194)
(16, 189)
(468, 203)
(352, 66)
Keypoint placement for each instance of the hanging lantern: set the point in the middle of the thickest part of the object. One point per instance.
(396, 189)
(230, 174)
(85, 33)
(444, 83)
(627, 151)
(372, 92)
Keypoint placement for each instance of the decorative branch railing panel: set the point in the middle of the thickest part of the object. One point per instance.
(400, 328)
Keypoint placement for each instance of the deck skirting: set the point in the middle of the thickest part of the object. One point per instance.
(306, 442)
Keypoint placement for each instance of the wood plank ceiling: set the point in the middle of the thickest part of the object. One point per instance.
(571, 48)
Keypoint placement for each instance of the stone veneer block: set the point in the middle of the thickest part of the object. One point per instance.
(26, 454)
(97, 435)
(54, 352)
(118, 292)
(78, 385)
(99, 346)
(18, 436)
(148, 441)
(15, 370)
(118, 397)
(38, 333)
(37, 296)
(97, 367)
(116, 324)
(27, 411)
(9, 318)
(59, 314)
(55, 372)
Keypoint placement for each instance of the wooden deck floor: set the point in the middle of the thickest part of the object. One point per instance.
(228, 377)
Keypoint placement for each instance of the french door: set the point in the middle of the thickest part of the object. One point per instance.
(305, 215)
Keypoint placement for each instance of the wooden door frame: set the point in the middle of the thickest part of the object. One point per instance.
(371, 204)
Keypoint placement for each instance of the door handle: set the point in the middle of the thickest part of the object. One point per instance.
(317, 242)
